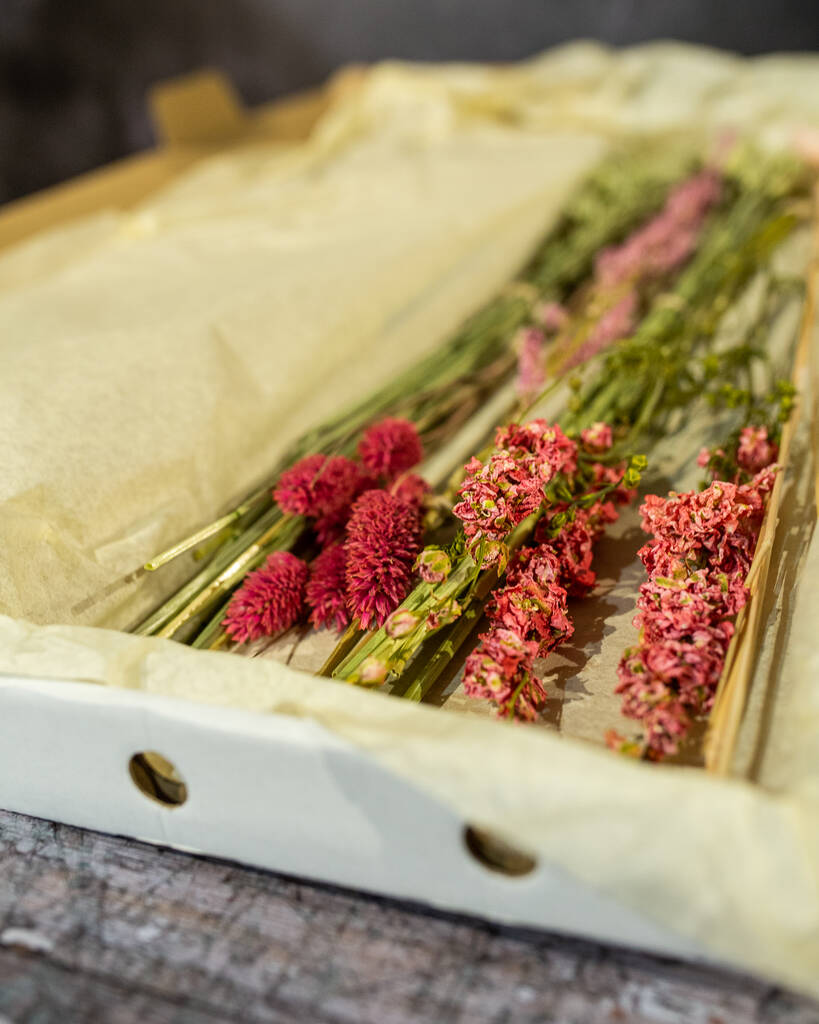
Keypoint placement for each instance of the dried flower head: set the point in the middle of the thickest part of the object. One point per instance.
(411, 488)
(498, 495)
(326, 592)
(501, 669)
(755, 450)
(383, 540)
(390, 447)
(319, 486)
(597, 438)
(269, 601)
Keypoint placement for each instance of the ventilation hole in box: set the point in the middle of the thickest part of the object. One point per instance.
(497, 855)
(156, 777)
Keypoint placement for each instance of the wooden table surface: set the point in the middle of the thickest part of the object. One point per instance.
(95, 928)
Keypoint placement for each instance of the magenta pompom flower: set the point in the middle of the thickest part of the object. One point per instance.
(390, 447)
(411, 489)
(319, 486)
(269, 601)
(327, 590)
(383, 540)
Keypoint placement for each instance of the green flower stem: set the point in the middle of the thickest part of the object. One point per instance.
(424, 671)
(280, 536)
(195, 539)
(213, 633)
(206, 575)
(351, 636)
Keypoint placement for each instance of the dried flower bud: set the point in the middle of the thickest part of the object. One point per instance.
(372, 671)
(433, 565)
(401, 622)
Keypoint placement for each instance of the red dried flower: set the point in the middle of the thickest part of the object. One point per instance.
(755, 450)
(411, 488)
(327, 590)
(501, 493)
(269, 600)
(383, 539)
(697, 559)
(501, 669)
(599, 437)
(319, 486)
(390, 448)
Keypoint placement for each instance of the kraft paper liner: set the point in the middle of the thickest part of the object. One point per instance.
(728, 863)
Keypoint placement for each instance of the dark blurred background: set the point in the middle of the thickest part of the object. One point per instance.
(73, 73)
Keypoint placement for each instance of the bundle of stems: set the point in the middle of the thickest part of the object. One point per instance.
(663, 367)
(438, 393)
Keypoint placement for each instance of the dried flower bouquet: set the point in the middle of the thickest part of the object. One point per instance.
(615, 316)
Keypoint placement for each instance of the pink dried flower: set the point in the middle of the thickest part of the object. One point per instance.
(667, 240)
(614, 323)
(697, 559)
(269, 601)
(500, 494)
(597, 438)
(390, 447)
(533, 611)
(411, 488)
(326, 592)
(383, 540)
(501, 669)
(551, 316)
(319, 486)
(553, 451)
(531, 369)
(755, 450)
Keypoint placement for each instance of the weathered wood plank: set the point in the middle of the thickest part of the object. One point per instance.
(97, 928)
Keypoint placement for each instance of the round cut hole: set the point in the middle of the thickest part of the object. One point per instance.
(157, 777)
(496, 854)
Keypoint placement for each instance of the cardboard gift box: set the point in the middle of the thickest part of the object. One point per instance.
(218, 296)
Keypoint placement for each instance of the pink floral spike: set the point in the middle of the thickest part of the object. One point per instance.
(383, 540)
(498, 495)
(700, 551)
(269, 601)
(501, 669)
(755, 450)
(327, 589)
(391, 447)
(531, 370)
(597, 438)
(615, 323)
